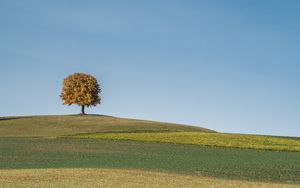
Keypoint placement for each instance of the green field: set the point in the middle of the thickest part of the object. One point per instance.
(33, 153)
(109, 146)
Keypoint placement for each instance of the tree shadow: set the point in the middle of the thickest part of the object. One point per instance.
(90, 115)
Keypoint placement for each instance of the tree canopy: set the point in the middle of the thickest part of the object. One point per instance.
(81, 89)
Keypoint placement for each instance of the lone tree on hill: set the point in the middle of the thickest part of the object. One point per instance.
(82, 89)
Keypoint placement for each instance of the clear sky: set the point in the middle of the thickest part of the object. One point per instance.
(231, 66)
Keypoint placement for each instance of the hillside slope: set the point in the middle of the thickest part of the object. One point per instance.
(59, 125)
(94, 141)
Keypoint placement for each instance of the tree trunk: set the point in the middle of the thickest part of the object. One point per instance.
(82, 110)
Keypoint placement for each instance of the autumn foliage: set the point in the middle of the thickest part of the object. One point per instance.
(81, 89)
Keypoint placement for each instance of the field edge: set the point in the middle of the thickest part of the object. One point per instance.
(84, 177)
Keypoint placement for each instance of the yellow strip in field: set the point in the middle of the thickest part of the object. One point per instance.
(121, 178)
(206, 139)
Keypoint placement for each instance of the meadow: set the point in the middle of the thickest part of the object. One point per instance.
(257, 165)
(109, 152)
(53, 126)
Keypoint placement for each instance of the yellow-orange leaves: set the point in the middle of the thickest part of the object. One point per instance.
(82, 89)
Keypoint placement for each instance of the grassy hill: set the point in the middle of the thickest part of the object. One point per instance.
(52, 126)
(90, 143)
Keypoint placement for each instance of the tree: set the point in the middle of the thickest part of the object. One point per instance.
(81, 89)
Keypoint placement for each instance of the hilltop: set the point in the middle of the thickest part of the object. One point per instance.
(61, 125)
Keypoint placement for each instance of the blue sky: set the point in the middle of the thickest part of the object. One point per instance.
(231, 66)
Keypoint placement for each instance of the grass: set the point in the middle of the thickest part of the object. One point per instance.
(46, 151)
(52, 126)
(206, 139)
(227, 163)
(121, 178)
